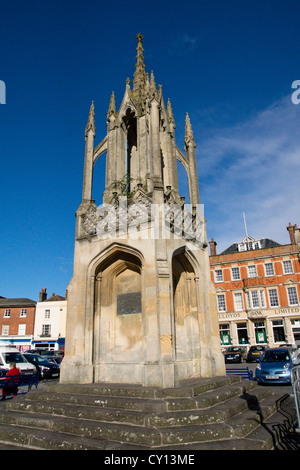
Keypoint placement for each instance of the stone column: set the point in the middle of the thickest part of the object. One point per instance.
(88, 159)
(156, 152)
(190, 146)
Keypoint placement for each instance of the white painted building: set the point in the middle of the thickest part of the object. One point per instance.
(50, 322)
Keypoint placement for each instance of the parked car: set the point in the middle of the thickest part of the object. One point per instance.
(275, 366)
(235, 354)
(9, 353)
(47, 370)
(47, 353)
(255, 353)
(55, 359)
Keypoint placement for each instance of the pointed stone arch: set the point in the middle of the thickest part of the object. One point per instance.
(185, 311)
(118, 346)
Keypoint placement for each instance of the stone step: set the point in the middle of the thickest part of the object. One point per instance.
(230, 412)
(273, 428)
(135, 427)
(117, 432)
(228, 402)
(90, 397)
(188, 388)
(41, 439)
(137, 404)
(236, 427)
(177, 418)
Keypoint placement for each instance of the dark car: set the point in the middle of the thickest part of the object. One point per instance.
(55, 359)
(235, 354)
(47, 353)
(47, 370)
(254, 353)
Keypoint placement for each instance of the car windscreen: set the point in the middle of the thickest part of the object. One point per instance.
(233, 349)
(276, 356)
(13, 357)
(37, 359)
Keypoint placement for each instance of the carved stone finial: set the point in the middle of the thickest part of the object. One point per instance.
(189, 136)
(139, 81)
(152, 87)
(91, 120)
(170, 115)
(139, 37)
(112, 106)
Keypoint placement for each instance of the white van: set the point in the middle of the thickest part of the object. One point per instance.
(9, 353)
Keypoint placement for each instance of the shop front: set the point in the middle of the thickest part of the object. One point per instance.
(270, 327)
(49, 344)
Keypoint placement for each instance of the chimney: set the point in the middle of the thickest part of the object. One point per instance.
(213, 250)
(43, 295)
(291, 230)
(297, 235)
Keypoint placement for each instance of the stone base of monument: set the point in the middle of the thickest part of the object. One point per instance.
(220, 413)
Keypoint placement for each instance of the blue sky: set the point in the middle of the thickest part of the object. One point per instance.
(229, 64)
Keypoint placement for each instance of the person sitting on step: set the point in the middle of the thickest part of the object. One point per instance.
(11, 381)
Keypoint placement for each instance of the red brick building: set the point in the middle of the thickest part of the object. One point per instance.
(258, 290)
(17, 318)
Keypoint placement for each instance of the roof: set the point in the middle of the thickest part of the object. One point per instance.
(54, 298)
(18, 302)
(264, 243)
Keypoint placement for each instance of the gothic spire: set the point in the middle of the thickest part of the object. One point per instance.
(139, 81)
(189, 136)
(112, 106)
(91, 120)
(170, 115)
(152, 87)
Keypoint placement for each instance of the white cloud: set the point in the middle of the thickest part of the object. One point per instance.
(253, 167)
(183, 44)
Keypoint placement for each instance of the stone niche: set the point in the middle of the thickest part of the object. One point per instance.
(118, 315)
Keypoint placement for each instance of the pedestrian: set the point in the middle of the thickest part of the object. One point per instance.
(11, 381)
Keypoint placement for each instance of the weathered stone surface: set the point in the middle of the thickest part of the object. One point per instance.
(141, 304)
(239, 415)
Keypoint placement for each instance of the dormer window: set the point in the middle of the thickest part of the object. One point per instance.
(249, 244)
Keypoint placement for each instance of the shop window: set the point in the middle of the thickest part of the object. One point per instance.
(260, 332)
(296, 330)
(225, 334)
(242, 332)
(278, 331)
